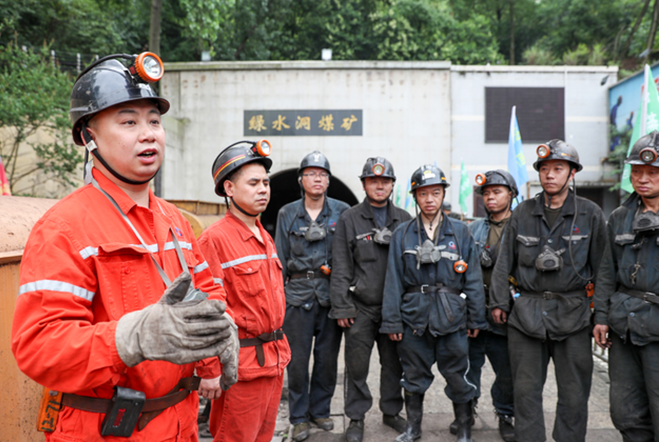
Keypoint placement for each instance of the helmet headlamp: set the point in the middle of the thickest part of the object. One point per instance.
(378, 169)
(149, 67)
(263, 148)
(543, 151)
(648, 155)
(481, 179)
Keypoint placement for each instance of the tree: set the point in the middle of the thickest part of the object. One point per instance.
(34, 96)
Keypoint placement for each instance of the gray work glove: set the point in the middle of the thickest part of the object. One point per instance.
(229, 358)
(174, 331)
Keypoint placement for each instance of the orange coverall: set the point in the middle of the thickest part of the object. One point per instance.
(83, 268)
(251, 273)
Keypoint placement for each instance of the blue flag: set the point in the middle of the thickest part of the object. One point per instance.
(516, 160)
(408, 198)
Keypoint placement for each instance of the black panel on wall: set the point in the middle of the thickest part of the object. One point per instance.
(540, 113)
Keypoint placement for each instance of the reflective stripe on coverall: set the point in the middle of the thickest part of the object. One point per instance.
(251, 273)
(83, 268)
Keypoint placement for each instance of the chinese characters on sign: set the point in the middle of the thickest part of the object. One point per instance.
(303, 122)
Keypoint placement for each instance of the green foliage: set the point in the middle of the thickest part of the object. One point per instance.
(577, 56)
(537, 55)
(426, 30)
(34, 96)
(462, 31)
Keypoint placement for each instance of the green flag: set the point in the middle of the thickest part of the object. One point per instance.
(647, 120)
(465, 187)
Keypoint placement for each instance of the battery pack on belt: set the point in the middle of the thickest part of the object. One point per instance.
(128, 407)
(257, 342)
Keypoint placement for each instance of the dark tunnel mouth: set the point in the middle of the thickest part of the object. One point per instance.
(285, 189)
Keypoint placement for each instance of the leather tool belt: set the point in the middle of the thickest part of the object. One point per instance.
(555, 295)
(257, 342)
(151, 409)
(645, 296)
(442, 290)
(311, 274)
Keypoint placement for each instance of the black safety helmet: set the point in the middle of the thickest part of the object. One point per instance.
(496, 177)
(428, 175)
(557, 150)
(236, 156)
(644, 151)
(108, 82)
(314, 159)
(378, 167)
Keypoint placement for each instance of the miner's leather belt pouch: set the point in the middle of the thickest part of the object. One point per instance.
(124, 412)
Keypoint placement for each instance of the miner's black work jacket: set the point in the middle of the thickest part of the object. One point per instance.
(297, 255)
(359, 263)
(480, 229)
(624, 250)
(403, 301)
(552, 303)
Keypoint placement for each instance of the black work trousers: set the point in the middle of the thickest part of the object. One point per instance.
(311, 397)
(573, 364)
(451, 352)
(496, 348)
(634, 393)
(360, 338)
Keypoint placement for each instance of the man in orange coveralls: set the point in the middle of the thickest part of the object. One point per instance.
(242, 254)
(91, 319)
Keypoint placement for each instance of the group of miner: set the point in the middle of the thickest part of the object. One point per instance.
(122, 313)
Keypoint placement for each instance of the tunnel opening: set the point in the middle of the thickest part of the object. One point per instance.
(285, 189)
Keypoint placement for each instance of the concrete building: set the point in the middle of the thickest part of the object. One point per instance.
(565, 102)
(409, 112)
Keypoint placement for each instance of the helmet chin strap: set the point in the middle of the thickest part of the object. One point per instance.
(91, 146)
(242, 210)
(549, 196)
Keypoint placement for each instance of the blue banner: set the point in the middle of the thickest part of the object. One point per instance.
(516, 160)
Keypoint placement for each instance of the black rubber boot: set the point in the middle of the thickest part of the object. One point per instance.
(464, 413)
(453, 428)
(506, 428)
(414, 409)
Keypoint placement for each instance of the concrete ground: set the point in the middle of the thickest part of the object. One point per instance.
(438, 411)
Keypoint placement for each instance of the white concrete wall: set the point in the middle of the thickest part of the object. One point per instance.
(586, 117)
(413, 112)
(406, 113)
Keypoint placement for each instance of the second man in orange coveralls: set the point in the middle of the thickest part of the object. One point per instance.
(242, 257)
